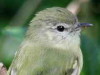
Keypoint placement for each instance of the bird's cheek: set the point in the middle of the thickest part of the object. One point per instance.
(65, 34)
(49, 35)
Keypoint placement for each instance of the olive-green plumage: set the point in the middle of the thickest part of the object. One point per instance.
(51, 46)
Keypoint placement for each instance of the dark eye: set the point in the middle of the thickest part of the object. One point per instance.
(60, 28)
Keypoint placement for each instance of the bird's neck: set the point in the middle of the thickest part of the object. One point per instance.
(71, 43)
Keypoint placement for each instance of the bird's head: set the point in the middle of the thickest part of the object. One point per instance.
(56, 25)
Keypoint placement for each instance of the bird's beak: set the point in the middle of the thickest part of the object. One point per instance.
(84, 25)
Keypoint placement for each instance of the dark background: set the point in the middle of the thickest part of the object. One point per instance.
(15, 16)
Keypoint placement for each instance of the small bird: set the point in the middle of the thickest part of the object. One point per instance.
(51, 45)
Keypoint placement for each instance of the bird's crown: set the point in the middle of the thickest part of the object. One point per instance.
(56, 14)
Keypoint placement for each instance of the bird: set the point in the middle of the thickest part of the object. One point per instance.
(51, 45)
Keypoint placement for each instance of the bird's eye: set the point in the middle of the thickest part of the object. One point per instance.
(60, 28)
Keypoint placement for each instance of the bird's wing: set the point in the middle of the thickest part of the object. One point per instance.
(75, 68)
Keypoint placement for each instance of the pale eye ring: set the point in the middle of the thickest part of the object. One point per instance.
(60, 28)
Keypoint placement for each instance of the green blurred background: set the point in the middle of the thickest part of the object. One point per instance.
(15, 16)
